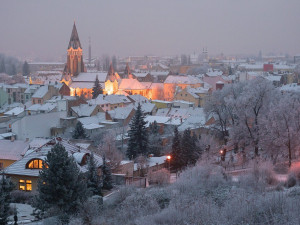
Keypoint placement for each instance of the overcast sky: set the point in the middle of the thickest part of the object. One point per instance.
(41, 29)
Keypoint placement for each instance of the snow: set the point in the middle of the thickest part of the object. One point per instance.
(130, 84)
(84, 109)
(116, 99)
(92, 126)
(176, 79)
(15, 111)
(41, 92)
(90, 77)
(12, 150)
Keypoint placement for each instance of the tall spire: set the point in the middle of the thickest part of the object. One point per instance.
(90, 51)
(74, 40)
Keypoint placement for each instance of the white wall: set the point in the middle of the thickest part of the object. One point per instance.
(37, 125)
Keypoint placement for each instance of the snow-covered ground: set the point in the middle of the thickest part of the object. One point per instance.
(24, 213)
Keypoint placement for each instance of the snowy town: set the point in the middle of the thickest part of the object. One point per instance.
(196, 137)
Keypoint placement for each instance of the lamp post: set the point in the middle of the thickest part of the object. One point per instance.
(169, 160)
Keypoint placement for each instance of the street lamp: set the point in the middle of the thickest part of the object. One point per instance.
(169, 159)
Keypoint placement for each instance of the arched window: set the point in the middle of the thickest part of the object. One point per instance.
(35, 164)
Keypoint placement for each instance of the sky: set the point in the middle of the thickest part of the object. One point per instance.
(40, 30)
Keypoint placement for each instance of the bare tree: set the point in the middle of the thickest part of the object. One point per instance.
(107, 147)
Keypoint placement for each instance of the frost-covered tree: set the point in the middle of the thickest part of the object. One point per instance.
(6, 186)
(249, 108)
(25, 70)
(155, 146)
(79, 132)
(107, 147)
(106, 175)
(217, 107)
(60, 184)
(138, 136)
(281, 128)
(97, 89)
(94, 183)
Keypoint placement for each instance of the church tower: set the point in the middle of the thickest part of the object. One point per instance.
(75, 63)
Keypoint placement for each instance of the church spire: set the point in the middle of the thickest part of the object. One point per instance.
(74, 40)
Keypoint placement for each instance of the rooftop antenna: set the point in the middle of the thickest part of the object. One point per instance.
(90, 51)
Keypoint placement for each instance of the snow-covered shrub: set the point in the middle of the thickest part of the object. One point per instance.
(162, 196)
(121, 195)
(22, 197)
(159, 177)
(136, 205)
(260, 177)
(291, 181)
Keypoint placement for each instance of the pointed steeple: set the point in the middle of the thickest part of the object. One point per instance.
(111, 70)
(127, 70)
(74, 40)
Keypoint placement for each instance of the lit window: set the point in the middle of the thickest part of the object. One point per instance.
(28, 185)
(35, 164)
(22, 185)
(25, 185)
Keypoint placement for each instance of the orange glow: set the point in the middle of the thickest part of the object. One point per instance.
(221, 151)
(168, 157)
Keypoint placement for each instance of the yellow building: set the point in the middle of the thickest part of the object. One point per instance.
(11, 151)
(195, 95)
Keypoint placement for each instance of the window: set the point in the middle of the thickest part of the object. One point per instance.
(25, 185)
(39, 101)
(35, 164)
(1, 165)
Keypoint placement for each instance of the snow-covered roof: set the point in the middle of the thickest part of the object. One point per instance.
(193, 122)
(7, 135)
(140, 74)
(159, 119)
(294, 87)
(12, 150)
(273, 78)
(116, 99)
(41, 92)
(138, 98)
(84, 109)
(90, 77)
(146, 107)
(48, 107)
(177, 79)
(215, 73)
(19, 167)
(99, 100)
(130, 84)
(92, 126)
(15, 111)
(98, 118)
(121, 113)
(152, 161)
(35, 107)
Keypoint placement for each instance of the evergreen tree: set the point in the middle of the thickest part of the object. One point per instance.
(2, 66)
(6, 186)
(13, 69)
(60, 183)
(138, 136)
(26, 70)
(189, 149)
(97, 89)
(155, 146)
(177, 159)
(79, 132)
(106, 175)
(93, 180)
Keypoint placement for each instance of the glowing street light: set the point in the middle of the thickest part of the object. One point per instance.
(169, 159)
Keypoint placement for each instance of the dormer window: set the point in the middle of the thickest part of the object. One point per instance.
(35, 164)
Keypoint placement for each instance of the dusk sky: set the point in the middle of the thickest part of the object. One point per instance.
(40, 30)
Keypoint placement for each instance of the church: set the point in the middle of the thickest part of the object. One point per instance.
(81, 81)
